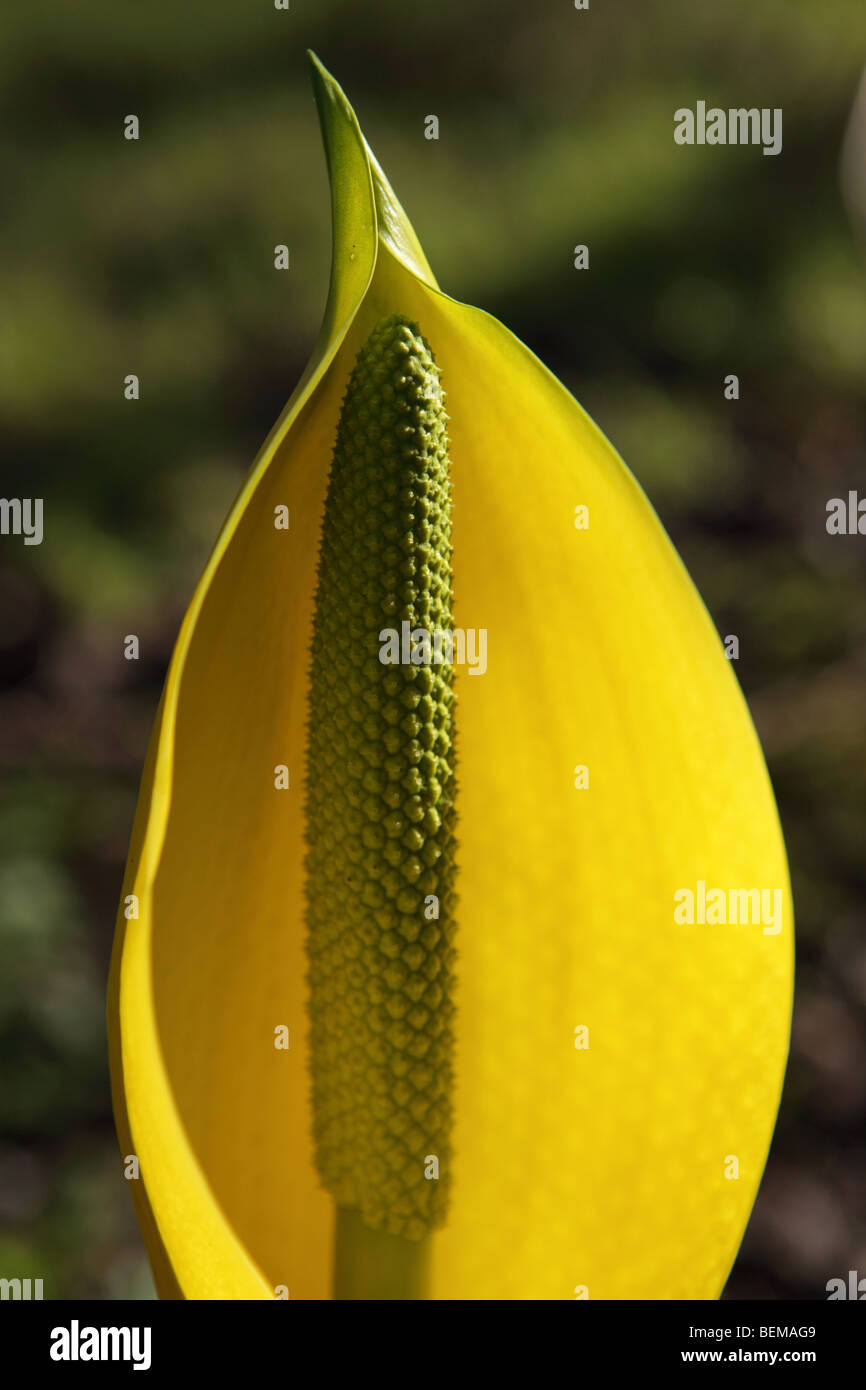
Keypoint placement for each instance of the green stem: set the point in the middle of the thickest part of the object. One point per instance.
(370, 1264)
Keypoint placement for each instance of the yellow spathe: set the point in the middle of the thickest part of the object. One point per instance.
(607, 1166)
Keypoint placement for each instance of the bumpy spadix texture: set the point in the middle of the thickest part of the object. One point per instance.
(380, 798)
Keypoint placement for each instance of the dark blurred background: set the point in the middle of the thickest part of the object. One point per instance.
(156, 258)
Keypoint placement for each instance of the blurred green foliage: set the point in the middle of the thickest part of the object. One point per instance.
(156, 258)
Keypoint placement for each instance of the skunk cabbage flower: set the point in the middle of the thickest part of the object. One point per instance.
(455, 952)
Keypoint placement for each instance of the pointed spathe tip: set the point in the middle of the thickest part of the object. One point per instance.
(324, 84)
(316, 64)
(334, 108)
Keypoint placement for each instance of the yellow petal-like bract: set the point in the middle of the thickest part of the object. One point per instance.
(618, 1066)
